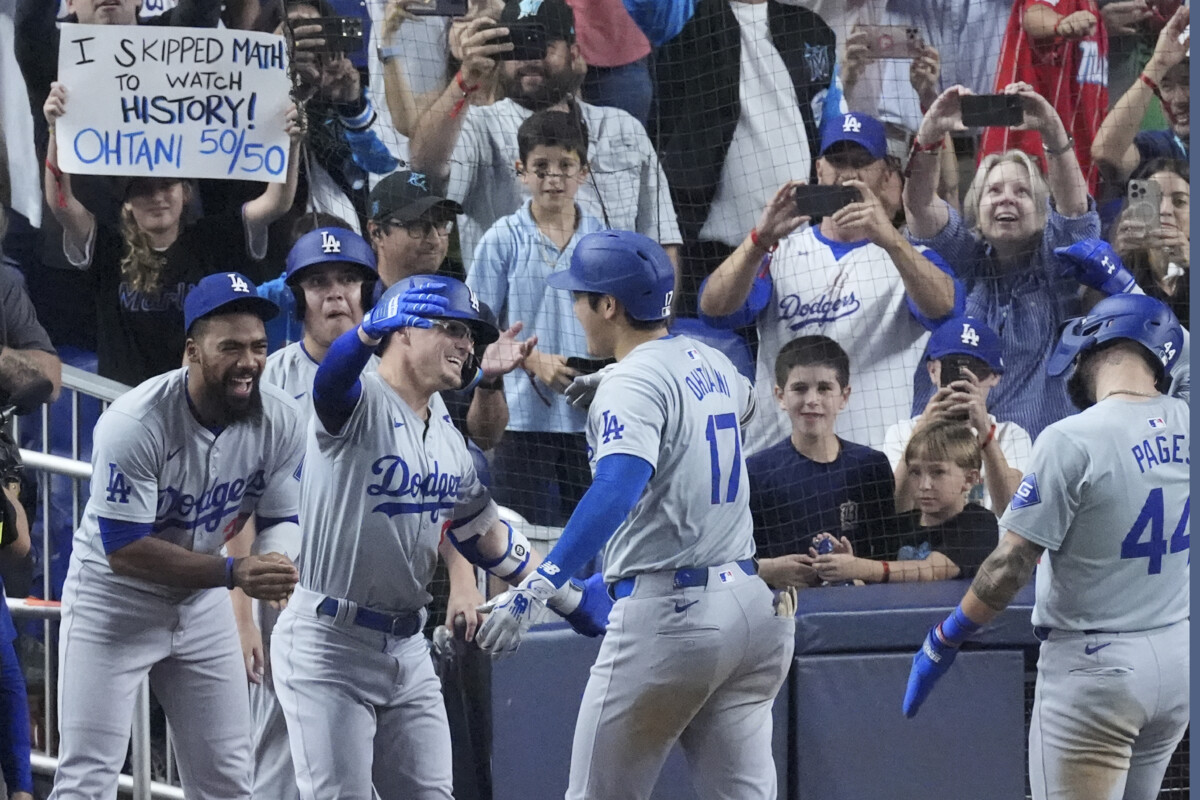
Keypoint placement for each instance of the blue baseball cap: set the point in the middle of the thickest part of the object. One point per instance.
(629, 266)
(862, 129)
(969, 337)
(225, 289)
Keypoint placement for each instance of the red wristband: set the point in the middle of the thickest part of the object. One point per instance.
(887, 572)
(758, 242)
(466, 89)
(60, 196)
(1146, 79)
(989, 438)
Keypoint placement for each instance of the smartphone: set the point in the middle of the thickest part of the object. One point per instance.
(821, 201)
(440, 8)
(529, 42)
(341, 34)
(893, 42)
(1144, 199)
(992, 110)
(586, 366)
(952, 368)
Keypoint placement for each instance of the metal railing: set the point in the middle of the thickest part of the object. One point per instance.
(80, 386)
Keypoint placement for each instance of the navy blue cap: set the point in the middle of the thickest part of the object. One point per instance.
(969, 337)
(862, 129)
(215, 292)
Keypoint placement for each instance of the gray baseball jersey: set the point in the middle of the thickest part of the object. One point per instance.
(293, 370)
(1107, 494)
(375, 499)
(154, 463)
(677, 404)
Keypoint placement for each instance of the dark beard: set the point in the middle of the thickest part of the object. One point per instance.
(554, 89)
(227, 409)
(1079, 392)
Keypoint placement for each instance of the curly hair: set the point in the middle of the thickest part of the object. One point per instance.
(142, 266)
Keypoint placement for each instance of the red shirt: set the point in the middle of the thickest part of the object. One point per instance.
(607, 35)
(1072, 74)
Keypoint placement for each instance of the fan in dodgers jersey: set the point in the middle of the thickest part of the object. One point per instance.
(384, 479)
(180, 462)
(1105, 505)
(694, 651)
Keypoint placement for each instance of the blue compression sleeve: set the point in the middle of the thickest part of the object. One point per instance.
(660, 20)
(14, 728)
(618, 485)
(336, 388)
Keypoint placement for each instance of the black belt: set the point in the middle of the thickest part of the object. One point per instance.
(685, 578)
(1043, 633)
(403, 625)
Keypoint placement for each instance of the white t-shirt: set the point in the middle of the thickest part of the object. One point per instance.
(1011, 438)
(769, 145)
(853, 294)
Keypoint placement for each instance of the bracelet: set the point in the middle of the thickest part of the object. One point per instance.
(1146, 79)
(1064, 149)
(466, 89)
(887, 572)
(60, 197)
(496, 384)
(991, 437)
(758, 242)
(229, 572)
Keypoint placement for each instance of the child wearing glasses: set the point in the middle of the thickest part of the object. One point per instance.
(540, 469)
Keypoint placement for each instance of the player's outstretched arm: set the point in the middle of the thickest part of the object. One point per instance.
(266, 577)
(1006, 570)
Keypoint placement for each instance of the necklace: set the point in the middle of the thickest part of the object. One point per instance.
(1129, 391)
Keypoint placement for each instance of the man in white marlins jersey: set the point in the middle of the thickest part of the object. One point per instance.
(385, 478)
(1106, 506)
(179, 463)
(853, 277)
(694, 651)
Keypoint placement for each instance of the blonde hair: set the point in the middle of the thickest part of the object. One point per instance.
(142, 266)
(1037, 181)
(946, 440)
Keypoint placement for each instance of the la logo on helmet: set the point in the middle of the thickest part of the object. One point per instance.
(330, 243)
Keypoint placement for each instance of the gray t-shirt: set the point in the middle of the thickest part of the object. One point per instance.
(1107, 495)
(677, 404)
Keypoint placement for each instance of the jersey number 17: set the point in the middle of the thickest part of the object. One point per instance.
(1153, 516)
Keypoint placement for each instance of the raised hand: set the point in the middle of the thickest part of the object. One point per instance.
(1094, 263)
(866, 219)
(944, 115)
(779, 217)
(412, 308)
(506, 353)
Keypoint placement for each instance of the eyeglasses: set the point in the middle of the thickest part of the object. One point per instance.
(569, 170)
(455, 329)
(420, 228)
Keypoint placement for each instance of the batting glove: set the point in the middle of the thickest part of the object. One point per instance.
(1094, 263)
(412, 308)
(583, 387)
(510, 614)
(585, 605)
(935, 657)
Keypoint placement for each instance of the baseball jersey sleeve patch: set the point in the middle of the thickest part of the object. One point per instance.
(1027, 493)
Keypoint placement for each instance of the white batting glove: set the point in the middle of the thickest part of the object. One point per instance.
(583, 387)
(510, 614)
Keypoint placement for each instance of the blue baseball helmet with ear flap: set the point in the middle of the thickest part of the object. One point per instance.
(629, 266)
(329, 246)
(1135, 317)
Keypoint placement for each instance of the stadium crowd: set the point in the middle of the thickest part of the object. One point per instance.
(897, 332)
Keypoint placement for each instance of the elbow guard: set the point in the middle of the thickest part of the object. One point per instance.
(509, 564)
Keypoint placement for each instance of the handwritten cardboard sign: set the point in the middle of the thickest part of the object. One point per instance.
(173, 102)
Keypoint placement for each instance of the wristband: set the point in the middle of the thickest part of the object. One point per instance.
(887, 572)
(1146, 79)
(229, 572)
(60, 197)
(758, 242)
(466, 89)
(1059, 151)
(989, 438)
(956, 628)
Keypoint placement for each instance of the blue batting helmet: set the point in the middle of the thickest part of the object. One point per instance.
(627, 265)
(329, 246)
(1136, 317)
(463, 305)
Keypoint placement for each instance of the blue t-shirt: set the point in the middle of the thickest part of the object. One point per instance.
(1160, 144)
(793, 498)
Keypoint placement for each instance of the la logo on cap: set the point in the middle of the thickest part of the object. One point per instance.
(851, 124)
(330, 243)
(237, 284)
(969, 335)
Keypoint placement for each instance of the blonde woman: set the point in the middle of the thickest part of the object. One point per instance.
(1002, 247)
(141, 271)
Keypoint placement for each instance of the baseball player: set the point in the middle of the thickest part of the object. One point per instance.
(384, 479)
(694, 651)
(179, 463)
(1105, 506)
